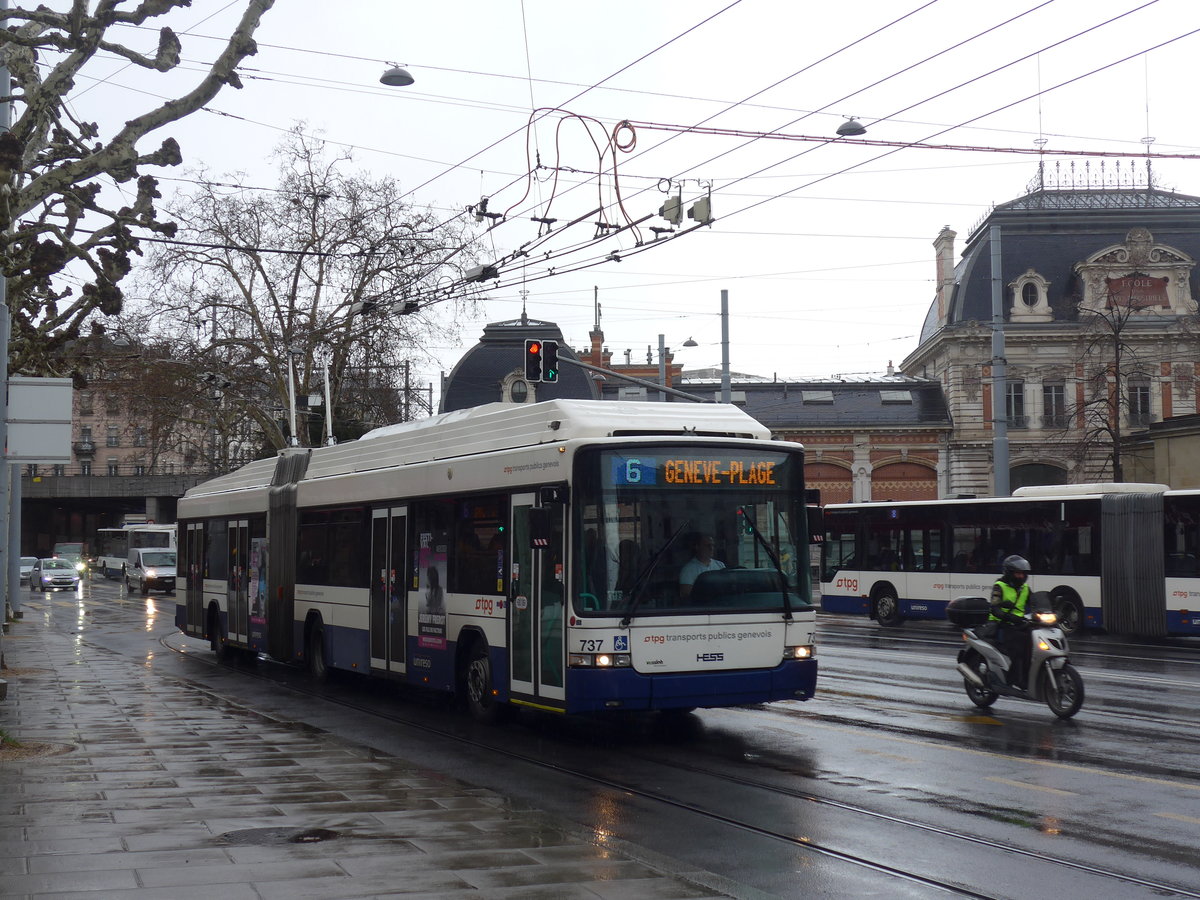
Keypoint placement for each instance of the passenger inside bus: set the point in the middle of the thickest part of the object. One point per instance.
(702, 545)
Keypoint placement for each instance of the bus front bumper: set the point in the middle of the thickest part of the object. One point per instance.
(597, 690)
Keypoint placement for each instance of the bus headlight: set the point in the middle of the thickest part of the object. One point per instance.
(804, 651)
(599, 660)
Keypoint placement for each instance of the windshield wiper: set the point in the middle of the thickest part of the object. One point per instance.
(783, 583)
(643, 577)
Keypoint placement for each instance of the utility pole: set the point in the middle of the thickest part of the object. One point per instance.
(726, 393)
(999, 374)
(8, 527)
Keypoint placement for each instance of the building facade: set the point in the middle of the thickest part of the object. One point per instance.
(1100, 331)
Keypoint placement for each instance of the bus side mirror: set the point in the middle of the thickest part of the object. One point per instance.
(816, 525)
(539, 527)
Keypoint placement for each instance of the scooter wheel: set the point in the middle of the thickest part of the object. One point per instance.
(1068, 698)
(981, 697)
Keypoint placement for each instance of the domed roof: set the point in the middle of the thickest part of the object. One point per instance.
(498, 361)
(1050, 231)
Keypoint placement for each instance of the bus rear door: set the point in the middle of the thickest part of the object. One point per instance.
(239, 568)
(389, 588)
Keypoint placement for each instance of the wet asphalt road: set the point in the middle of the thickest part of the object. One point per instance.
(891, 765)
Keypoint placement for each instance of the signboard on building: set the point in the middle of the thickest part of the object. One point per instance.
(1138, 291)
(39, 420)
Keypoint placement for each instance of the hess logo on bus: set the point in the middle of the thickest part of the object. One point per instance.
(850, 584)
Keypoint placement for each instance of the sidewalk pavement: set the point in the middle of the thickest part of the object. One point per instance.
(159, 790)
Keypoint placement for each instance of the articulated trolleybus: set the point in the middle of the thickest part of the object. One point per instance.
(520, 554)
(1122, 557)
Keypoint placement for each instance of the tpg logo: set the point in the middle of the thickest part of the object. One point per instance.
(710, 657)
(850, 584)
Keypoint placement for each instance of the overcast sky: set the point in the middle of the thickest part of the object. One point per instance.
(825, 247)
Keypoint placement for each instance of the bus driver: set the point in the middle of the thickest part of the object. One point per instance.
(701, 562)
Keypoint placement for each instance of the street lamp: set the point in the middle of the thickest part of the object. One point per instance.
(396, 76)
(851, 128)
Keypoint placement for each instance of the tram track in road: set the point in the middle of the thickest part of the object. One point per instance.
(632, 789)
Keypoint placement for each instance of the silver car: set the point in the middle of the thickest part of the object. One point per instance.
(27, 564)
(53, 574)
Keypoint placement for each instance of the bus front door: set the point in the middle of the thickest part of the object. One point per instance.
(239, 570)
(536, 622)
(389, 588)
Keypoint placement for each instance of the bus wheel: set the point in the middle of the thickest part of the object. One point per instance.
(887, 610)
(1070, 613)
(314, 654)
(216, 640)
(481, 701)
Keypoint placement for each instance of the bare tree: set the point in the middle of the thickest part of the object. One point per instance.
(264, 286)
(54, 165)
(1113, 361)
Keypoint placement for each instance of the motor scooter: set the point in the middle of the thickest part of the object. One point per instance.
(984, 667)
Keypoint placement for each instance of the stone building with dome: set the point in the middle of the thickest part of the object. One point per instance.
(1101, 336)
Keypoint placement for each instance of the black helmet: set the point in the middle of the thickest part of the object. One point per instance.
(1014, 564)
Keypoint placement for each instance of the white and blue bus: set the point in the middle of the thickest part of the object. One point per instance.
(519, 554)
(113, 545)
(1121, 557)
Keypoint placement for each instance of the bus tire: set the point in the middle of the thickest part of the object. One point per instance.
(216, 638)
(887, 608)
(481, 699)
(1069, 611)
(314, 653)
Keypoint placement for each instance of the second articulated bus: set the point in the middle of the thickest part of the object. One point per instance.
(1122, 557)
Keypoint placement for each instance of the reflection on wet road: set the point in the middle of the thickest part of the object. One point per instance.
(891, 763)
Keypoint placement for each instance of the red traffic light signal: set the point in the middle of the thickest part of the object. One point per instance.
(533, 360)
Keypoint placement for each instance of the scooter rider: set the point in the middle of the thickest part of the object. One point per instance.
(1010, 597)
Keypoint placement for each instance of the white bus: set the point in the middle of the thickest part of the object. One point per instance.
(519, 554)
(113, 545)
(1122, 557)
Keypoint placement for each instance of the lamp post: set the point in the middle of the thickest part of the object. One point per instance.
(293, 439)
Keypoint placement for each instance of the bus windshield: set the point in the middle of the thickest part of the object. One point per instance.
(667, 530)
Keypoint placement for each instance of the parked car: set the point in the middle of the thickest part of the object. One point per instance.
(54, 574)
(151, 569)
(27, 564)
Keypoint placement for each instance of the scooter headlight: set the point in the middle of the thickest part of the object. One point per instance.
(1046, 618)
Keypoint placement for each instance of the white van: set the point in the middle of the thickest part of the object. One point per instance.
(151, 569)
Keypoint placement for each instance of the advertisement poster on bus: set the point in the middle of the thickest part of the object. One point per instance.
(257, 589)
(431, 609)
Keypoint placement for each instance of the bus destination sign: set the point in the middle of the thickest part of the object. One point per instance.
(653, 471)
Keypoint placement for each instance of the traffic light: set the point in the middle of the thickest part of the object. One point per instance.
(550, 361)
(533, 360)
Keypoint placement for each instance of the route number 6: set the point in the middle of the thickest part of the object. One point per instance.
(633, 471)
